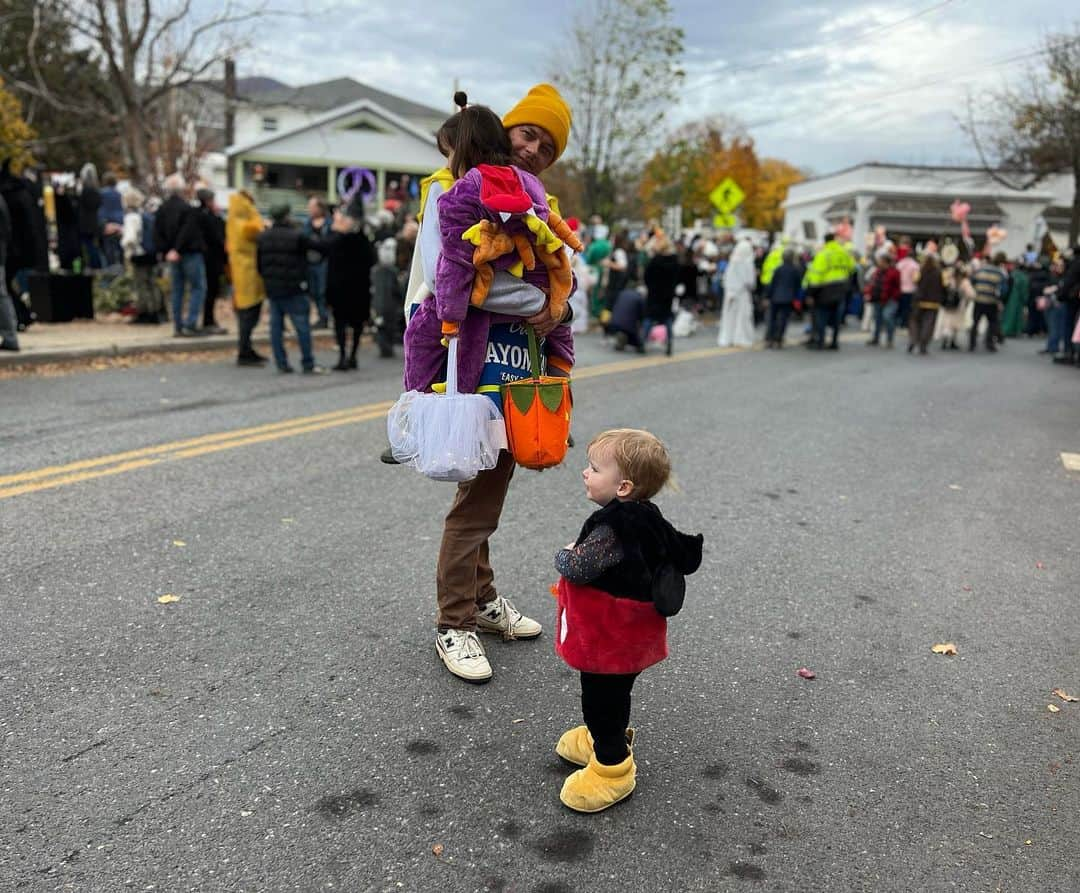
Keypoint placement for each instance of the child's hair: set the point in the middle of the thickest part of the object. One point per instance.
(473, 135)
(641, 456)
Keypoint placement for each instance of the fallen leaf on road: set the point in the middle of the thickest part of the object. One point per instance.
(1065, 697)
(168, 599)
(287, 520)
(246, 812)
(944, 648)
(987, 836)
(806, 673)
(1027, 842)
(179, 543)
(955, 487)
(437, 850)
(966, 587)
(516, 721)
(1053, 708)
(1038, 565)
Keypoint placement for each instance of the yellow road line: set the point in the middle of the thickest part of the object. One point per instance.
(191, 442)
(188, 453)
(130, 460)
(1071, 461)
(646, 362)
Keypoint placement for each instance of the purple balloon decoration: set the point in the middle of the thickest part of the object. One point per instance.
(353, 181)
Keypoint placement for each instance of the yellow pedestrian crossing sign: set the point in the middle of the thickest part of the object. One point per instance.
(724, 221)
(727, 196)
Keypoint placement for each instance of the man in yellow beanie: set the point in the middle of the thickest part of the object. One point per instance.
(539, 128)
(468, 603)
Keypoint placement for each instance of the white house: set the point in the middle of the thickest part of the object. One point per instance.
(294, 142)
(914, 200)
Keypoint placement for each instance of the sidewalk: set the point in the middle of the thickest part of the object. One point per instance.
(115, 336)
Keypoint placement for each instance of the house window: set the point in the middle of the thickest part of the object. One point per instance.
(809, 230)
(269, 124)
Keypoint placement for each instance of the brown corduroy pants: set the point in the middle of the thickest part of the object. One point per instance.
(464, 578)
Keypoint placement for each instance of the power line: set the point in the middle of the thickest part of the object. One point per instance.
(773, 62)
(934, 80)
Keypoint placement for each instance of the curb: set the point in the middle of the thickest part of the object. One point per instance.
(109, 351)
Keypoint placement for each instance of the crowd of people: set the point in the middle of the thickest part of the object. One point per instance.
(645, 287)
(206, 255)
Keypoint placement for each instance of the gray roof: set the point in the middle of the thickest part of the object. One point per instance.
(250, 87)
(327, 95)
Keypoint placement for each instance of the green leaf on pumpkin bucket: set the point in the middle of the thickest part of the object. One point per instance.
(551, 396)
(522, 395)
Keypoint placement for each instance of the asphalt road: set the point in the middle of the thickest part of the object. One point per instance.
(286, 725)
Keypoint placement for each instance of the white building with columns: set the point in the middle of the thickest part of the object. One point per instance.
(914, 200)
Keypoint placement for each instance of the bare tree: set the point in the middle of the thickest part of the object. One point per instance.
(149, 49)
(620, 74)
(1024, 135)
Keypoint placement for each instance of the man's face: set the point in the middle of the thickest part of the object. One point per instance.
(313, 208)
(532, 147)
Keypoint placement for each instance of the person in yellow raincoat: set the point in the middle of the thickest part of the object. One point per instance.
(242, 228)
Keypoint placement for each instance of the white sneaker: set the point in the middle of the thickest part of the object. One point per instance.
(463, 654)
(500, 616)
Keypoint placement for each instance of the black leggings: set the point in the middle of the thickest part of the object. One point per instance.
(605, 705)
(990, 311)
(341, 329)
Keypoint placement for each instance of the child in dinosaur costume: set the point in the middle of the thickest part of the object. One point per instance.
(494, 217)
(497, 217)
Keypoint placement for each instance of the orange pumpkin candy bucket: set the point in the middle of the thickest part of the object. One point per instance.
(537, 414)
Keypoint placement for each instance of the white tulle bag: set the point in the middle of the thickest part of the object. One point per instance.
(446, 437)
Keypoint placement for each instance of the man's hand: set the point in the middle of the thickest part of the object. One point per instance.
(570, 545)
(173, 256)
(542, 321)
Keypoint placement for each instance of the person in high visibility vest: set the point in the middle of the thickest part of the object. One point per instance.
(828, 282)
(772, 262)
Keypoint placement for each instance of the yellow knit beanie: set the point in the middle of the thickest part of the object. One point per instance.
(544, 107)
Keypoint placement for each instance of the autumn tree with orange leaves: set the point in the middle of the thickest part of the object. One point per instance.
(699, 156)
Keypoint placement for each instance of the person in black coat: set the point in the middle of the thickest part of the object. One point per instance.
(9, 338)
(350, 257)
(213, 233)
(178, 236)
(661, 277)
(89, 226)
(281, 259)
(1069, 296)
(28, 249)
(1039, 278)
(782, 291)
(67, 225)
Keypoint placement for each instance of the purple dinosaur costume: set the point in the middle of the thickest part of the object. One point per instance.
(425, 357)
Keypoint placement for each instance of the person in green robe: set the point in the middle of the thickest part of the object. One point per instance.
(1012, 324)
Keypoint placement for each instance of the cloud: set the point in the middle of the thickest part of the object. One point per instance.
(822, 85)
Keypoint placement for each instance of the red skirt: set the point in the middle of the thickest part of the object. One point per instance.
(595, 632)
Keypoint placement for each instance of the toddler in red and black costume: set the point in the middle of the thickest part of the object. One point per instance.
(618, 583)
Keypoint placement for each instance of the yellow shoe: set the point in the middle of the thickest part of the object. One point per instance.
(596, 787)
(576, 746)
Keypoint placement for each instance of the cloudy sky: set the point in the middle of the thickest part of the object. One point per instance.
(821, 84)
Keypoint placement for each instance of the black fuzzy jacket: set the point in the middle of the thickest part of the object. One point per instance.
(648, 541)
(281, 258)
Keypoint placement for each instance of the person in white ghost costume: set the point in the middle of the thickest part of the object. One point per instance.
(737, 321)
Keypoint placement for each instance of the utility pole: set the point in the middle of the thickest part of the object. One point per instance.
(230, 114)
